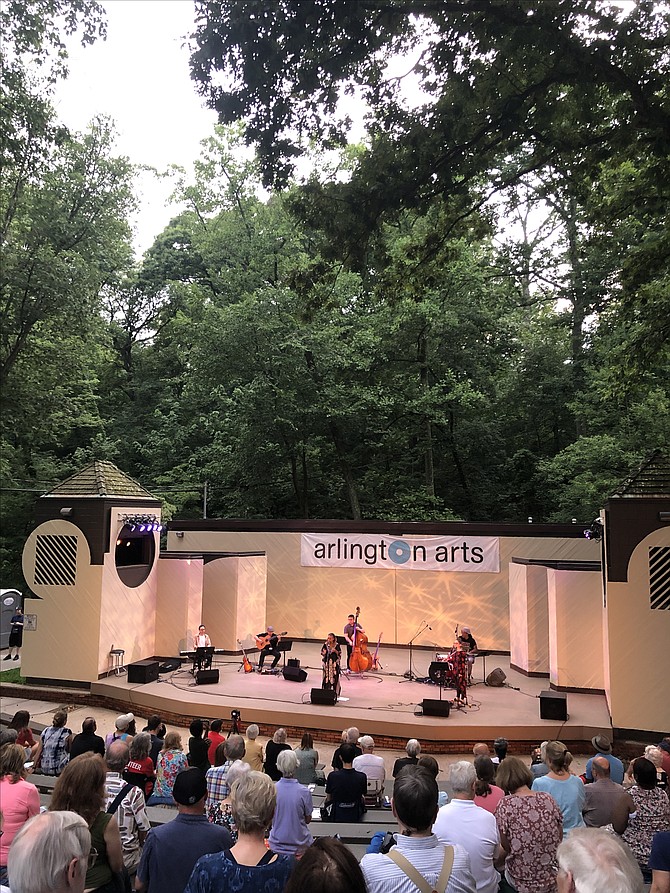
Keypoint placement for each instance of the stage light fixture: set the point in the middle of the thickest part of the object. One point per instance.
(595, 531)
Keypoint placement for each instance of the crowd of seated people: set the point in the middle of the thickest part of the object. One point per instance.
(507, 827)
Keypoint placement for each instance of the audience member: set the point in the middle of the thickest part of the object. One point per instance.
(640, 812)
(53, 748)
(171, 850)
(308, 758)
(664, 747)
(463, 823)
(19, 799)
(220, 812)
(81, 788)
(500, 745)
(328, 866)
(481, 750)
(126, 801)
(156, 728)
(487, 794)
(346, 789)
(249, 867)
(215, 738)
(198, 746)
(413, 750)
(349, 736)
(368, 762)
(87, 741)
(414, 806)
(431, 765)
(272, 750)
(253, 750)
(140, 769)
(566, 789)
(24, 734)
(171, 761)
(538, 766)
(8, 736)
(601, 796)
(592, 859)
(655, 755)
(218, 787)
(531, 828)
(659, 862)
(289, 834)
(51, 853)
(603, 746)
(122, 730)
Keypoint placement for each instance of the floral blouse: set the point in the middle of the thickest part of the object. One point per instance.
(652, 814)
(170, 763)
(534, 827)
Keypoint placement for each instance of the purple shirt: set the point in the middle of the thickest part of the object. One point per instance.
(290, 833)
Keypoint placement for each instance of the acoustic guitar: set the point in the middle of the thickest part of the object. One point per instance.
(246, 663)
(262, 641)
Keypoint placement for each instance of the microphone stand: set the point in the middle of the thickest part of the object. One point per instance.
(409, 675)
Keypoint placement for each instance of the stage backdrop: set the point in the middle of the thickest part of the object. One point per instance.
(395, 597)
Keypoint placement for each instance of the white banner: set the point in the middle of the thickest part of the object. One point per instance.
(474, 554)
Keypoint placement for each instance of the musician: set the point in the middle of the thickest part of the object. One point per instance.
(202, 640)
(331, 655)
(351, 627)
(459, 660)
(470, 647)
(271, 641)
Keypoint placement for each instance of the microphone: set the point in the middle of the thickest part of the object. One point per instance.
(430, 627)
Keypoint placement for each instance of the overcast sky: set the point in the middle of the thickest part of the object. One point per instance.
(140, 77)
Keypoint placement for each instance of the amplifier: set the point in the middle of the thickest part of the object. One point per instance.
(143, 671)
(325, 696)
(433, 707)
(554, 705)
(206, 677)
(293, 661)
(294, 674)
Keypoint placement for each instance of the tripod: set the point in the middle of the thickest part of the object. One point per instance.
(409, 675)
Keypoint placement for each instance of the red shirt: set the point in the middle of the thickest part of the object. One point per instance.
(215, 739)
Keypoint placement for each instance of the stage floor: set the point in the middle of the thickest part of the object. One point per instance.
(380, 703)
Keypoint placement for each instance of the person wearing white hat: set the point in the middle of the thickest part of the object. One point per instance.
(121, 729)
(469, 646)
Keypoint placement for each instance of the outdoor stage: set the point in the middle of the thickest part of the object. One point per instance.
(381, 703)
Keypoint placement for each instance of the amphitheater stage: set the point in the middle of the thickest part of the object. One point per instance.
(381, 703)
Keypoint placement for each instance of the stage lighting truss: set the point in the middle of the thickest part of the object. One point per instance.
(595, 531)
(142, 523)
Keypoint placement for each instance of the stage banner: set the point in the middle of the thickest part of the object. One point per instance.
(476, 554)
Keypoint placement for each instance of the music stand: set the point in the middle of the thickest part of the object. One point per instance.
(284, 645)
(203, 657)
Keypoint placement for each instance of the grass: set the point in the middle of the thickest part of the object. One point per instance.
(13, 675)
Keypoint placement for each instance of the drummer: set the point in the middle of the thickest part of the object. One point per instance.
(469, 646)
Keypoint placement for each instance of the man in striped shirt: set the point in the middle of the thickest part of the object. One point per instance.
(415, 808)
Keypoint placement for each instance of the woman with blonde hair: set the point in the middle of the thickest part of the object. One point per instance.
(566, 789)
(81, 789)
(171, 761)
(20, 800)
(249, 866)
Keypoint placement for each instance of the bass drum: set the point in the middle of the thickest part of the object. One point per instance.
(441, 673)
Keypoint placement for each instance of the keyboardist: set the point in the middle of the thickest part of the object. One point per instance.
(203, 658)
(202, 640)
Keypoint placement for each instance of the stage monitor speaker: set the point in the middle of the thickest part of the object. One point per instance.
(325, 696)
(294, 674)
(206, 677)
(433, 707)
(293, 661)
(554, 705)
(143, 671)
(496, 678)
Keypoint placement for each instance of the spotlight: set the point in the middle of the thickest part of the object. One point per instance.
(595, 531)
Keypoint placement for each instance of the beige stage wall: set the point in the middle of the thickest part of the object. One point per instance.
(575, 629)
(637, 672)
(309, 602)
(529, 618)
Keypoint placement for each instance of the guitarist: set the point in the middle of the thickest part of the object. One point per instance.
(268, 642)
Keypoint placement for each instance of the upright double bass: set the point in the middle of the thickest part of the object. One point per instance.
(361, 659)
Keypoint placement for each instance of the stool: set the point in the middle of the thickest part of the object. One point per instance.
(116, 662)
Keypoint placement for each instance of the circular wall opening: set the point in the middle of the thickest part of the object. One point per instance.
(134, 556)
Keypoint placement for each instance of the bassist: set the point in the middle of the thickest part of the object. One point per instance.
(353, 626)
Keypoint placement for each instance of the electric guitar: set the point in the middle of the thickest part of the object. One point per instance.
(246, 663)
(262, 641)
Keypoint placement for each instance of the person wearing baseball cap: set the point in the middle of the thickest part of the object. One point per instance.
(122, 730)
(470, 647)
(171, 850)
(603, 746)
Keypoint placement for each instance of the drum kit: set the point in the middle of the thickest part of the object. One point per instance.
(443, 670)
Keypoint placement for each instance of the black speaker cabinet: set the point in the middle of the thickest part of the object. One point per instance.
(433, 707)
(294, 674)
(206, 677)
(143, 671)
(554, 705)
(324, 696)
(496, 678)
(293, 661)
